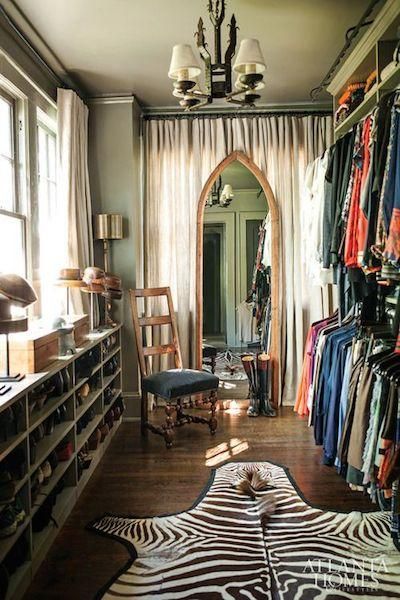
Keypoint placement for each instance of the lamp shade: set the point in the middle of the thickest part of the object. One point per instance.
(108, 227)
(249, 58)
(227, 192)
(184, 66)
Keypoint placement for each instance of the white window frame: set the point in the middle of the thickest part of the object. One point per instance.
(17, 211)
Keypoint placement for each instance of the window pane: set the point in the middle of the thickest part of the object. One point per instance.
(52, 157)
(5, 128)
(12, 252)
(6, 184)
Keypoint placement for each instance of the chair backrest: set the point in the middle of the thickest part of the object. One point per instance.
(145, 351)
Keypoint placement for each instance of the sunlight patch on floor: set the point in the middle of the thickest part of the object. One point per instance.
(225, 451)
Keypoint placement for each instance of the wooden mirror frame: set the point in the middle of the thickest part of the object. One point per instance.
(275, 267)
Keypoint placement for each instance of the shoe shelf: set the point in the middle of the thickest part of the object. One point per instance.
(117, 394)
(6, 447)
(97, 455)
(49, 442)
(50, 424)
(85, 434)
(47, 488)
(41, 415)
(110, 378)
(91, 399)
(42, 540)
(7, 543)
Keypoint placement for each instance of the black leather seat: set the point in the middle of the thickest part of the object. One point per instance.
(177, 383)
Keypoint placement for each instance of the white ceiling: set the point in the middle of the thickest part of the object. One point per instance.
(124, 46)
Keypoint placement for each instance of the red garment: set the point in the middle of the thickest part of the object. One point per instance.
(362, 160)
(302, 393)
(362, 227)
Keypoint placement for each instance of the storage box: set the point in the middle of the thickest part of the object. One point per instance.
(81, 329)
(31, 352)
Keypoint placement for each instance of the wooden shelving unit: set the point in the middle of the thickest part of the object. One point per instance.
(107, 345)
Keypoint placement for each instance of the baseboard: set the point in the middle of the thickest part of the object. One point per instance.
(130, 419)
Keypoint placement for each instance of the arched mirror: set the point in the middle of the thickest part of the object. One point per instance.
(238, 276)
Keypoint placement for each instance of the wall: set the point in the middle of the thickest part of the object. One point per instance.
(115, 179)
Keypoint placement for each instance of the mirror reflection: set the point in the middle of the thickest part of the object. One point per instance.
(236, 276)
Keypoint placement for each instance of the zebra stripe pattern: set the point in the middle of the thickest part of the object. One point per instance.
(220, 549)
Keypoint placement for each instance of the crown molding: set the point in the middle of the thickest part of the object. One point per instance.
(35, 46)
(111, 99)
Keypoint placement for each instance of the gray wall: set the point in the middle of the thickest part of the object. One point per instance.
(115, 179)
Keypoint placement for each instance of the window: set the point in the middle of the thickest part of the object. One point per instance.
(7, 155)
(50, 229)
(12, 222)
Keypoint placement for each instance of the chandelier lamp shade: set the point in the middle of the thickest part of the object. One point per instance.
(220, 198)
(249, 66)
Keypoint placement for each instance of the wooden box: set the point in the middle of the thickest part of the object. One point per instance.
(81, 329)
(31, 352)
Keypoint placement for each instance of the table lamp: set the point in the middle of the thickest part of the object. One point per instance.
(107, 227)
(14, 291)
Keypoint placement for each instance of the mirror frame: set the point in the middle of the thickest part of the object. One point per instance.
(275, 352)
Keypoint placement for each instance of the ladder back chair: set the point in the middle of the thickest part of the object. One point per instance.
(173, 385)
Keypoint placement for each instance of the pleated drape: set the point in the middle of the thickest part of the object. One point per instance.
(180, 155)
(73, 187)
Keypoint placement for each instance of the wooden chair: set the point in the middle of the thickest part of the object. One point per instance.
(173, 384)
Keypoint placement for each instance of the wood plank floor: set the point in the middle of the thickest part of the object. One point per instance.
(140, 477)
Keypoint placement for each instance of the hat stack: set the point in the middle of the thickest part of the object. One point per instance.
(70, 278)
(94, 279)
(112, 287)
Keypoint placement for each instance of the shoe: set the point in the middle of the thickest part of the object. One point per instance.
(18, 410)
(16, 463)
(47, 471)
(66, 380)
(108, 395)
(40, 476)
(7, 488)
(63, 412)
(32, 450)
(6, 424)
(35, 489)
(49, 425)
(84, 391)
(19, 511)
(8, 522)
(64, 451)
(53, 460)
(104, 430)
(58, 383)
(94, 440)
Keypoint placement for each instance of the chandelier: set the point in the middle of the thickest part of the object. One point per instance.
(249, 66)
(218, 198)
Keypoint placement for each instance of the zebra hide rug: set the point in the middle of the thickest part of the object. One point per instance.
(223, 547)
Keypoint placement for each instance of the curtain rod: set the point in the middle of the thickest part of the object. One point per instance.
(224, 115)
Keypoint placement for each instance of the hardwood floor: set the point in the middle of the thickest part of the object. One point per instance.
(140, 477)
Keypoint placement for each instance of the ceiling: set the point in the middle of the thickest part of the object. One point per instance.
(124, 46)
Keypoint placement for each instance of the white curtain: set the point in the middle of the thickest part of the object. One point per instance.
(180, 155)
(73, 184)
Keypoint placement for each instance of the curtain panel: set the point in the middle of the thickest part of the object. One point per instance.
(180, 155)
(73, 185)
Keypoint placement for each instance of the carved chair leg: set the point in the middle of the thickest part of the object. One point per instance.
(144, 413)
(169, 426)
(213, 423)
